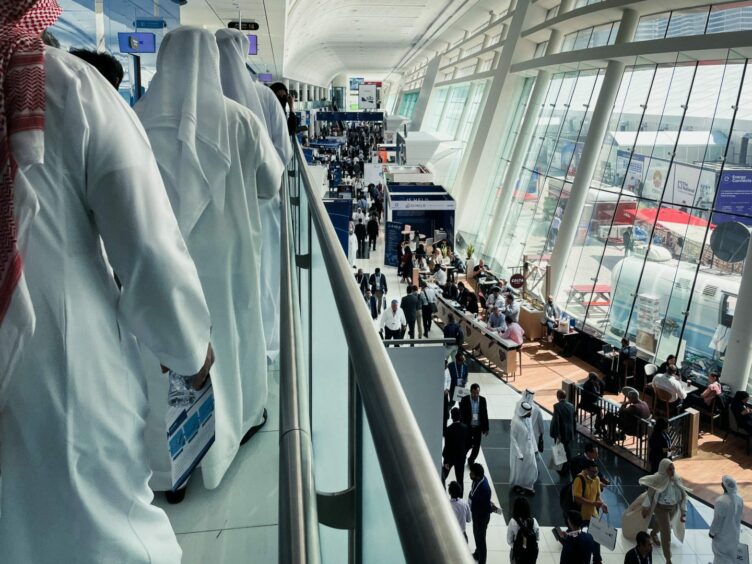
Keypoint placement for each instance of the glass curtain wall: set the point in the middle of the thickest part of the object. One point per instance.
(407, 106)
(654, 259)
(549, 167)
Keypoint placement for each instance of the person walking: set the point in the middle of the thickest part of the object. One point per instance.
(563, 425)
(456, 441)
(523, 533)
(725, 529)
(586, 493)
(481, 508)
(522, 452)
(666, 499)
(360, 234)
(410, 305)
(393, 323)
(659, 444)
(377, 281)
(474, 413)
(373, 232)
(457, 375)
(577, 546)
(460, 507)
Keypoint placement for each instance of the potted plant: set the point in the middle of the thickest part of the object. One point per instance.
(469, 251)
(469, 263)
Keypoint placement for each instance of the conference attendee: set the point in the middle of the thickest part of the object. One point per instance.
(74, 474)
(287, 102)
(456, 442)
(458, 374)
(523, 533)
(481, 508)
(586, 493)
(666, 500)
(479, 270)
(537, 416)
(725, 529)
(642, 553)
(471, 304)
(514, 331)
(670, 361)
(441, 277)
(217, 161)
(704, 399)
(496, 320)
(741, 411)
(360, 235)
(589, 454)
(523, 451)
(107, 65)
(377, 281)
(671, 384)
(659, 444)
(238, 85)
(410, 305)
(551, 316)
(373, 232)
(462, 295)
(452, 330)
(427, 304)
(361, 278)
(632, 410)
(577, 546)
(511, 308)
(474, 413)
(627, 352)
(563, 424)
(393, 322)
(460, 507)
(352, 245)
(592, 391)
(494, 298)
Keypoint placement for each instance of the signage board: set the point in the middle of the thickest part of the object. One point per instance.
(517, 281)
(137, 42)
(392, 239)
(367, 97)
(735, 196)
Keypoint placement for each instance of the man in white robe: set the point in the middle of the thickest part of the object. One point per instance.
(238, 85)
(523, 451)
(725, 529)
(536, 420)
(217, 161)
(72, 416)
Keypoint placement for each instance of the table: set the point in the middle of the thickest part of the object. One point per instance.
(569, 346)
(591, 295)
(481, 340)
(530, 321)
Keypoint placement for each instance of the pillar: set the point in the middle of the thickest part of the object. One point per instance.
(479, 157)
(738, 361)
(421, 104)
(589, 160)
(517, 159)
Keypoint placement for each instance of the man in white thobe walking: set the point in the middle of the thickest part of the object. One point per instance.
(725, 529)
(523, 451)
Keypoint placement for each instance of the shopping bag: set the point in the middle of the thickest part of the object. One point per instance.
(460, 393)
(742, 554)
(560, 455)
(602, 532)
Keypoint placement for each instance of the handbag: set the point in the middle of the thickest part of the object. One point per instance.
(602, 532)
(559, 455)
(434, 307)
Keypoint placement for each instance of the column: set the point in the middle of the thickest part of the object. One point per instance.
(491, 239)
(738, 361)
(481, 149)
(421, 104)
(589, 160)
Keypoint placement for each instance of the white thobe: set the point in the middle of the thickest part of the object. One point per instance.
(226, 246)
(276, 122)
(522, 454)
(726, 527)
(74, 465)
(537, 416)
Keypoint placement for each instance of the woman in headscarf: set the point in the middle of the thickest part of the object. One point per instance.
(727, 523)
(522, 450)
(666, 499)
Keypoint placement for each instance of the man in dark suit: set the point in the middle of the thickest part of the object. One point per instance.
(362, 279)
(373, 232)
(410, 304)
(481, 508)
(457, 375)
(456, 439)
(377, 282)
(360, 234)
(474, 414)
(563, 425)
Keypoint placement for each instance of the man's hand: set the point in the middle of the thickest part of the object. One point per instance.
(684, 518)
(605, 508)
(200, 377)
(446, 467)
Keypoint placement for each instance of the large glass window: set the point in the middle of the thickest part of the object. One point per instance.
(658, 256)
(407, 106)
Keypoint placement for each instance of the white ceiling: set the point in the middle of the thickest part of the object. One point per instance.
(270, 15)
(328, 37)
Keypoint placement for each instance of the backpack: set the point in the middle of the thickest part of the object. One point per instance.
(525, 547)
(566, 496)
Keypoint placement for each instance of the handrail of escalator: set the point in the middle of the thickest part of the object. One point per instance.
(427, 527)
(298, 532)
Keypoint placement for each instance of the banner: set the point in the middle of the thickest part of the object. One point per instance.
(392, 239)
(367, 97)
(735, 195)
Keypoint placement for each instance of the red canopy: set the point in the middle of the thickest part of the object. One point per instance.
(669, 215)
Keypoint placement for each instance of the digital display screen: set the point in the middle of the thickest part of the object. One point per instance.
(137, 42)
(265, 77)
(253, 45)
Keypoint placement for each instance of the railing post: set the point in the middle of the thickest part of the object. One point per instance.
(693, 432)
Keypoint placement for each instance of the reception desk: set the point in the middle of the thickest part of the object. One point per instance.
(530, 321)
(502, 356)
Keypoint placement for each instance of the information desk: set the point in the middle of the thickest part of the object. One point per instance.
(480, 341)
(530, 321)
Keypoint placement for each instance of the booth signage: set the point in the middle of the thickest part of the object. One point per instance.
(517, 281)
(438, 205)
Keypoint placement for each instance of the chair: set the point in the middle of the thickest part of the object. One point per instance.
(711, 412)
(627, 369)
(650, 371)
(661, 402)
(733, 427)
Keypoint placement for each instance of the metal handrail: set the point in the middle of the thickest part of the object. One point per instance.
(427, 527)
(298, 531)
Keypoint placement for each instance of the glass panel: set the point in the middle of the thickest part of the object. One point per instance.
(652, 27)
(736, 16)
(688, 22)
(436, 108)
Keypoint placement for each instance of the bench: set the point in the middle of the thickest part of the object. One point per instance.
(603, 303)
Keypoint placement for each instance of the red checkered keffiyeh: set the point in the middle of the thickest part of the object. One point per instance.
(22, 106)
